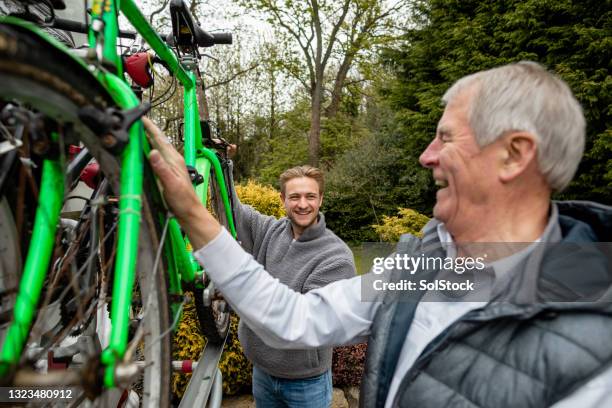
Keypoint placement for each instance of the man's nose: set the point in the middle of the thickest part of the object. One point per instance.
(429, 158)
(303, 202)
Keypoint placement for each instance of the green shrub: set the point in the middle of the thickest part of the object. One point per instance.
(188, 345)
(407, 222)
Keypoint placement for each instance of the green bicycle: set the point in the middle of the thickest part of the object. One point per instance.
(123, 255)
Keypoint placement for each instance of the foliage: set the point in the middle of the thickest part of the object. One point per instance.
(263, 198)
(348, 363)
(450, 39)
(406, 222)
(234, 365)
(455, 38)
(324, 40)
(288, 146)
(189, 343)
(375, 177)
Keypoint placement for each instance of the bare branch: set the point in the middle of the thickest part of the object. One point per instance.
(320, 69)
(332, 37)
(309, 62)
(157, 11)
(168, 121)
(297, 76)
(230, 79)
(354, 81)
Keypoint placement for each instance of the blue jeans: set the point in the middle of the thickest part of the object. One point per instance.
(274, 392)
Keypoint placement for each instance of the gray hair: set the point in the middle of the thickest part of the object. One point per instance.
(525, 97)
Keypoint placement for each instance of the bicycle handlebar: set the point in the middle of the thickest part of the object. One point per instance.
(78, 27)
(210, 39)
(187, 32)
(205, 39)
(223, 38)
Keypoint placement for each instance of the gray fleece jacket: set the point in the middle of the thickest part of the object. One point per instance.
(316, 258)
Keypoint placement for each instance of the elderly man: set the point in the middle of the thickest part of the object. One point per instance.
(508, 138)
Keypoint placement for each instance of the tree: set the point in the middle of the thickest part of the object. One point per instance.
(451, 39)
(455, 38)
(318, 33)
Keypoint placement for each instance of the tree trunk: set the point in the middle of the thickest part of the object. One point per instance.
(272, 104)
(336, 96)
(314, 136)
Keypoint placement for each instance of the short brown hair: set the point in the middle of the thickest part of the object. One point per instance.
(302, 171)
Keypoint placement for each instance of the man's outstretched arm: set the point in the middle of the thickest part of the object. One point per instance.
(283, 318)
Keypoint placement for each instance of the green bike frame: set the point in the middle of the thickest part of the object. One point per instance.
(177, 251)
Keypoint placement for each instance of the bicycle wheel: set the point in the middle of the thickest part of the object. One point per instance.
(41, 79)
(212, 310)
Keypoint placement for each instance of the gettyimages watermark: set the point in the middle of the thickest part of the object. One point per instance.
(485, 272)
(423, 264)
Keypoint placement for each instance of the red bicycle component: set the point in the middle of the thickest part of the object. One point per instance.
(73, 150)
(138, 68)
(53, 364)
(89, 175)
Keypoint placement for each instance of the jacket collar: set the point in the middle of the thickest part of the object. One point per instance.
(570, 269)
(312, 232)
(576, 217)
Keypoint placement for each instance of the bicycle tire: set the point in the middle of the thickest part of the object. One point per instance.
(214, 317)
(10, 258)
(33, 72)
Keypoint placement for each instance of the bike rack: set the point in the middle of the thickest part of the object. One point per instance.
(205, 375)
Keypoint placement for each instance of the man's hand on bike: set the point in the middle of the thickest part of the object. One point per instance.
(169, 166)
(231, 150)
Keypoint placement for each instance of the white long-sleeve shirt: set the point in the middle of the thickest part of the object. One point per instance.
(335, 314)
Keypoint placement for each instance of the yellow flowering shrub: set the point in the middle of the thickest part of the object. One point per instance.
(264, 199)
(406, 222)
(188, 344)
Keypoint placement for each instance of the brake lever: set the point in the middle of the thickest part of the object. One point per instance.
(211, 57)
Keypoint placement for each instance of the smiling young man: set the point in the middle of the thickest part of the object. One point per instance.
(303, 254)
(509, 137)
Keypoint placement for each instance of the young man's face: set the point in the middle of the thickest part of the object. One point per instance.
(302, 202)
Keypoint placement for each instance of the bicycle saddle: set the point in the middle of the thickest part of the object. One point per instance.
(57, 4)
(185, 29)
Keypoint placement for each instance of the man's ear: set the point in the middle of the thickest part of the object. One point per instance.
(520, 151)
(282, 197)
